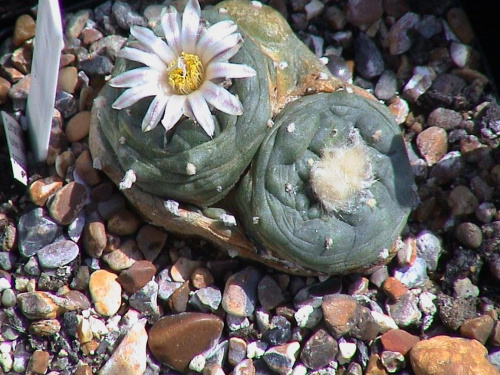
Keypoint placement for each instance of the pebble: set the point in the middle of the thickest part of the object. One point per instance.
(110, 45)
(76, 23)
(112, 206)
(45, 328)
(67, 202)
(450, 355)
(94, 239)
(448, 167)
(129, 358)
(269, 293)
(91, 35)
(399, 40)
(340, 313)
(237, 350)
(363, 13)
(429, 248)
(39, 362)
(36, 231)
(20, 89)
(137, 276)
(40, 190)
(464, 288)
(405, 311)
(123, 223)
(64, 163)
(367, 57)
(445, 118)
(459, 23)
(67, 79)
(175, 340)
(432, 144)
(347, 349)
(151, 241)
(319, 350)
(5, 87)
(462, 201)
(414, 275)
(179, 299)
(24, 29)
(469, 235)
(41, 305)
(398, 340)
(394, 288)
(374, 366)
(454, 311)
(240, 292)
(78, 127)
(125, 16)
(313, 9)
(58, 254)
(98, 65)
(9, 298)
(66, 104)
(106, 292)
(479, 328)
(281, 358)
(207, 299)
(145, 299)
(399, 109)
(422, 79)
(201, 278)
(386, 86)
(183, 268)
(279, 331)
(123, 257)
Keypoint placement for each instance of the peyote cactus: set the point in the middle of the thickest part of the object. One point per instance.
(330, 187)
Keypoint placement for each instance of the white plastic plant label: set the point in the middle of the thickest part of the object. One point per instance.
(44, 73)
(17, 149)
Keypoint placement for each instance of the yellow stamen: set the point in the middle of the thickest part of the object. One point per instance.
(185, 74)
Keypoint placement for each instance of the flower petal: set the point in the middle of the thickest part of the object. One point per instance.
(153, 43)
(173, 111)
(201, 112)
(220, 46)
(134, 94)
(228, 70)
(215, 33)
(190, 24)
(227, 54)
(221, 99)
(146, 58)
(135, 77)
(154, 113)
(171, 24)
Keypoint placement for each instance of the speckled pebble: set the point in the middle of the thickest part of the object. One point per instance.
(405, 311)
(414, 275)
(281, 358)
(319, 350)
(145, 299)
(269, 293)
(106, 292)
(206, 299)
(462, 201)
(469, 235)
(340, 313)
(123, 257)
(58, 254)
(129, 358)
(432, 144)
(464, 288)
(67, 203)
(36, 230)
(429, 248)
(237, 350)
(240, 292)
(444, 118)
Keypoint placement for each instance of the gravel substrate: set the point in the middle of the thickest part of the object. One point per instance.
(88, 287)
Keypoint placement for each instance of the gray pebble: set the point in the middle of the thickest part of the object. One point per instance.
(485, 212)
(97, 65)
(405, 311)
(66, 104)
(31, 267)
(429, 26)
(75, 228)
(145, 299)
(469, 235)
(413, 276)
(367, 57)
(7, 260)
(399, 40)
(36, 231)
(464, 288)
(319, 350)
(386, 85)
(125, 16)
(448, 167)
(206, 299)
(392, 361)
(58, 254)
(444, 118)
(338, 67)
(76, 23)
(269, 293)
(109, 45)
(429, 248)
(8, 298)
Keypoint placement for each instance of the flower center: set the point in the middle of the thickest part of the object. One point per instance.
(185, 74)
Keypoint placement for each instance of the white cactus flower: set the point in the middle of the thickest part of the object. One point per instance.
(184, 72)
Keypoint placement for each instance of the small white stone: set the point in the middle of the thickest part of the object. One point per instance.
(385, 322)
(198, 363)
(256, 349)
(299, 369)
(228, 220)
(4, 284)
(129, 178)
(222, 11)
(172, 207)
(308, 316)
(346, 351)
(256, 4)
(233, 253)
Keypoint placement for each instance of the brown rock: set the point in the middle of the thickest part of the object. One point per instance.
(123, 257)
(40, 190)
(478, 328)
(432, 144)
(151, 240)
(64, 161)
(24, 29)
(67, 203)
(444, 355)
(495, 334)
(398, 340)
(363, 12)
(138, 275)
(176, 339)
(68, 79)
(340, 313)
(78, 126)
(85, 169)
(45, 328)
(21, 59)
(462, 201)
(374, 366)
(179, 299)
(394, 288)
(102, 192)
(123, 223)
(106, 292)
(94, 238)
(459, 23)
(41, 305)
(39, 362)
(83, 369)
(183, 268)
(4, 90)
(201, 278)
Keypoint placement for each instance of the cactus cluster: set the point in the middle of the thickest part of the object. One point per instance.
(313, 176)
